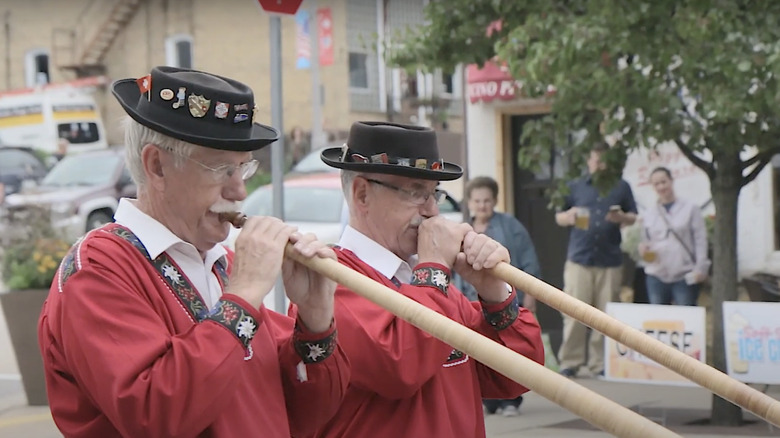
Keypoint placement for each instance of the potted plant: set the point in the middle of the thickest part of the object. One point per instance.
(31, 254)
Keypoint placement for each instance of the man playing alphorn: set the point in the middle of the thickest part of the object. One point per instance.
(154, 329)
(404, 381)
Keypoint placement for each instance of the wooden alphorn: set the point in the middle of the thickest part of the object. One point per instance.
(719, 383)
(688, 367)
(592, 407)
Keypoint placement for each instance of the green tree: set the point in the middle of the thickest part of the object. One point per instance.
(701, 74)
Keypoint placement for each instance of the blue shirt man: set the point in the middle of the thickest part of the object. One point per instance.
(599, 244)
(593, 269)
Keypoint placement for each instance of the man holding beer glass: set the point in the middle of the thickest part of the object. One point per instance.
(593, 269)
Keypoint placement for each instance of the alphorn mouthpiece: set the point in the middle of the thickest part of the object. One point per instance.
(236, 218)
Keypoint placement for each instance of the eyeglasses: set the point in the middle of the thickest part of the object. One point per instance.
(223, 173)
(417, 197)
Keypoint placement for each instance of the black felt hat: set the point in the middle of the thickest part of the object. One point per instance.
(196, 107)
(382, 147)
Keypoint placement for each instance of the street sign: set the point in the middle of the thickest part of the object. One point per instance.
(285, 7)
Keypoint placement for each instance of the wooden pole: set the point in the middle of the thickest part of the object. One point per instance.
(592, 407)
(721, 384)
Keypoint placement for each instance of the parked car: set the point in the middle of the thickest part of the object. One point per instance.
(82, 191)
(19, 165)
(312, 163)
(313, 203)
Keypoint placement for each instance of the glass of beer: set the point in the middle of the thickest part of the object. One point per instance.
(582, 218)
(649, 255)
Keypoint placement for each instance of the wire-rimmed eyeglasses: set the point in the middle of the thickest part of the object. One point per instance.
(417, 197)
(223, 173)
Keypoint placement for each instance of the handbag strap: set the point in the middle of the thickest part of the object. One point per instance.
(676, 236)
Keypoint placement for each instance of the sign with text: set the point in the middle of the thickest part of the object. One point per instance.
(690, 182)
(680, 327)
(490, 82)
(752, 337)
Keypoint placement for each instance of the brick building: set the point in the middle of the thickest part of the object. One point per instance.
(58, 41)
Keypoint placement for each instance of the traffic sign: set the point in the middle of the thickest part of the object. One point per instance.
(285, 7)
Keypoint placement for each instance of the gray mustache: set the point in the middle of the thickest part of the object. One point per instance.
(224, 206)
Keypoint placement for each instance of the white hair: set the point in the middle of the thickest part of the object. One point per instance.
(137, 136)
(347, 176)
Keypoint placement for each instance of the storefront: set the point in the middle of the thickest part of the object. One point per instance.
(495, 114)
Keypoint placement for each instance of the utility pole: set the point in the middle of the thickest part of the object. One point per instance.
(318, 138)
(277, 147)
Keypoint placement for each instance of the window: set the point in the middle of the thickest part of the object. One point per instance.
(78, 132)
(178, 51)
(358, 70)
(451, 83)
(36, 68)
(448, 86)
(19, 161)
(83, 170)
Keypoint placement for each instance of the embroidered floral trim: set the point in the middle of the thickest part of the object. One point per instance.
(222, 273)
(431, 276)
(169, 272)
(316, 350)
(233, 317)
(504, 317)
(67, 267)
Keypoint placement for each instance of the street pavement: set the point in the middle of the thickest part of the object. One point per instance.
(680, 408)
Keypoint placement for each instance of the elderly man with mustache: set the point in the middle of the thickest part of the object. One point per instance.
(154, 329)
(404, 381)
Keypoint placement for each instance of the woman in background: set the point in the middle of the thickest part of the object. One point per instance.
(481, 196)
(674, 245)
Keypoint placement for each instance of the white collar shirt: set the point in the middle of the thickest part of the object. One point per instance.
(377, 256)
(158, 239)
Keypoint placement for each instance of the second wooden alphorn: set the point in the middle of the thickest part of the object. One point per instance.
(716, 381)
(590, 406)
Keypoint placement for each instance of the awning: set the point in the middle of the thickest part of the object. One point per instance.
(490, 82)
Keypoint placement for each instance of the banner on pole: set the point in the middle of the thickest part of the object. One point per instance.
(325, 37)
(302, 40)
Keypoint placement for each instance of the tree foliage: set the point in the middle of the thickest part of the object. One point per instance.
(701, 74)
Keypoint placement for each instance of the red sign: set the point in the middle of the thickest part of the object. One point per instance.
(325, 37)
(286, 7)
(490, 82)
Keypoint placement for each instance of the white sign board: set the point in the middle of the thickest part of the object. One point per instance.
(690, 182)
(752, 337)
(680, 327)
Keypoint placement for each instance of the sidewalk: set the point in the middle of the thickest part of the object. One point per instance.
(538, 416)
(678, 406)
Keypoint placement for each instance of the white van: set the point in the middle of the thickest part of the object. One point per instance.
(39, 118)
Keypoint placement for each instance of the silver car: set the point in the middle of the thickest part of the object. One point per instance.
(81, 191)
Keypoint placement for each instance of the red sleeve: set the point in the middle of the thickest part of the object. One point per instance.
(381, 346)
(523, 336)
(147, 382)
(313, 391)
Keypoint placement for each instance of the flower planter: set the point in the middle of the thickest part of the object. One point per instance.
(22, 309)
